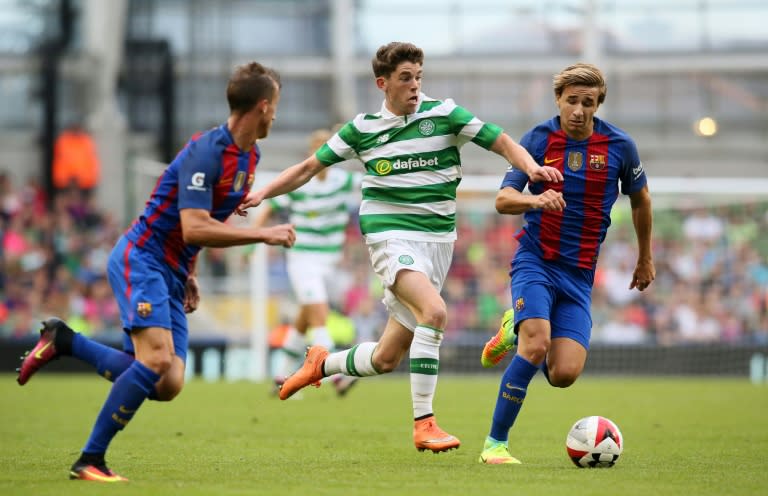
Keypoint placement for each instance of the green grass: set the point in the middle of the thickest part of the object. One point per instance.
(687, 437)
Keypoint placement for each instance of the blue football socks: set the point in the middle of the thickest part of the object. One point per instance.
(108, 362)
(514, 385)
(127, 394)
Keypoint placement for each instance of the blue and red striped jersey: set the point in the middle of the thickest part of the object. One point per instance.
(595, 170)
(209, 173)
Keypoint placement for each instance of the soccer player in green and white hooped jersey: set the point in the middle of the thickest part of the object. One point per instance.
(410, 150)
(320, 212)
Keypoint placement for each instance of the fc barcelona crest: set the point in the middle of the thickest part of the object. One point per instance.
(575, 159)
(597, 162)
(144, 309)
(239, 181)
(519, 304)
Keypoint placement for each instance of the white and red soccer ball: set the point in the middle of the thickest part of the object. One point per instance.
(594, 442)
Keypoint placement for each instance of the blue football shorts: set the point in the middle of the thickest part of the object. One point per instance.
(550, 290)
(149, 294)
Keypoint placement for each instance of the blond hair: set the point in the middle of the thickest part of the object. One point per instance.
(580, 74)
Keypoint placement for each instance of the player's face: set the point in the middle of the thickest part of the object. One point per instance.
(578, 105)
(401, 88)
(267, 116)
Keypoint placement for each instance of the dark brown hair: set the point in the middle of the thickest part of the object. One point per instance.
(580, 74)
(249, 84)
(389, 56)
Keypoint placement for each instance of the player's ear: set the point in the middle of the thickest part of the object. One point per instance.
(381, 82)
(261, 107)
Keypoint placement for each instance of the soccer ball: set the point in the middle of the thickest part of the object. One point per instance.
(594, 442)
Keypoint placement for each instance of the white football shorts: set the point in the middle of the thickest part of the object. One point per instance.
(390, 256)
(310, 274)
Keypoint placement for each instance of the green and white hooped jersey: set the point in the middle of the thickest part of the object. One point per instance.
(412, 167)
(320, 210)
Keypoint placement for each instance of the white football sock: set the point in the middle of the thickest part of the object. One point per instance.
(357, 361)
(425, 363)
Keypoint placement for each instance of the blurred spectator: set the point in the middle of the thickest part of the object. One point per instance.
(75, 160)
(52, 263)
(703, 225)
(621, 328)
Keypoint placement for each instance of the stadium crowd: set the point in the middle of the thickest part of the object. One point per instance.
(711, 286)
(53, 261)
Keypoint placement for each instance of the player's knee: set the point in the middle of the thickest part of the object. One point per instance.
(159, 362)
(435, 315)
(171, 383)
(535, 350)
(563, 376)
(166, 391)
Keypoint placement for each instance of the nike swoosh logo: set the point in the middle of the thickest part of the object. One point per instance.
(514, 388)
(440, 440)
(39, 353)
(550, 160)
(124, 410)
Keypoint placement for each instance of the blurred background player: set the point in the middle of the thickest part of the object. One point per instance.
(320, 212)
(553, 269)
(152, 267)
(410, 150)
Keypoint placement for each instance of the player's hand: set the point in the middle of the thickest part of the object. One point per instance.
(549, 200)
(252, 199)
(643, 276)
(545, 173)
(191, 295)
(282, 234)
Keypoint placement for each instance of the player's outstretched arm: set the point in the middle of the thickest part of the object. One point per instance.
(513, 202)
(199, 228)
(520, 159)
(280, 235)
(642, 218)
(290, 179)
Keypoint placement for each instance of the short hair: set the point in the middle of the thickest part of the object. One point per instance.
(249, 84)
(580, 74)
(389, 56)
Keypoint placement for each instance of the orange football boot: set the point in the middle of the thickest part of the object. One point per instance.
(310, 373)
(428, 436)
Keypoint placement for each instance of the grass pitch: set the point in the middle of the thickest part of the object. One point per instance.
(688, 437)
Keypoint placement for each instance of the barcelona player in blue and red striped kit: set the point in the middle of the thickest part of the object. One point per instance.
(152, 266)
(552, 272)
